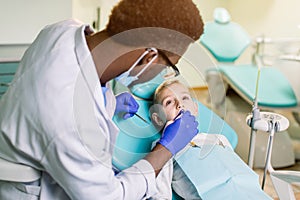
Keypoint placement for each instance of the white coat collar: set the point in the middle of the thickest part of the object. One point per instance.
(86, 62)
(89, 73)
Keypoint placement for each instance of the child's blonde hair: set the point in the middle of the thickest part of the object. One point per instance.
(161, 87)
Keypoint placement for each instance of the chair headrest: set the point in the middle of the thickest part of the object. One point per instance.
(221, 16)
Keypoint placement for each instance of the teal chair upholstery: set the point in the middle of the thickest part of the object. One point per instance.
(226, 41)
(274, 89)
(136, 138)
(7, 72)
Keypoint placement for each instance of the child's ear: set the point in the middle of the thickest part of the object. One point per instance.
(157, 120)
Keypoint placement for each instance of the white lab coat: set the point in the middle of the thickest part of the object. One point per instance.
(53, 118)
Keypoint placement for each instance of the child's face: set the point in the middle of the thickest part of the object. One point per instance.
(175, 98)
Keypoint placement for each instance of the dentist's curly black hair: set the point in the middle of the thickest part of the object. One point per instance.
(177, 15)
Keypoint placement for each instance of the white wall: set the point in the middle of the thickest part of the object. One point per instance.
(276, 19)
(207, 7)
(86, 10)
(20, 20)
(106, 7)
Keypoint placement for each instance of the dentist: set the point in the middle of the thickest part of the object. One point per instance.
(57, 114)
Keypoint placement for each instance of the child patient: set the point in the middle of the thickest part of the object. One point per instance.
(208, 168)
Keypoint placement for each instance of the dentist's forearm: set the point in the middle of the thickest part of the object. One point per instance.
(158, 157)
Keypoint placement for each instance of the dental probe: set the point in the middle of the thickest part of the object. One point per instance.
(139, 116)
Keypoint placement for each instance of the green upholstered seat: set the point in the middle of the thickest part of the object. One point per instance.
(7, 72)
(274, 89)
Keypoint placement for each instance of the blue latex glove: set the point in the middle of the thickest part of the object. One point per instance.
(179, 133)
(126, 105)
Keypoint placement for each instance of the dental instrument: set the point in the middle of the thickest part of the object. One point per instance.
(178, 114)
(255, 117)
(264, 121)
(139, 116)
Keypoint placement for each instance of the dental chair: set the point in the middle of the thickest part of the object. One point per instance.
(226, 41)
(7, 72)
(136, 137)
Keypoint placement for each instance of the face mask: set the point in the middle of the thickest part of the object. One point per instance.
(126, 79)
(147, 89)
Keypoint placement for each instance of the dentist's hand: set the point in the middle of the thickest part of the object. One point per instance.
(179, 133)
(126, 105)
